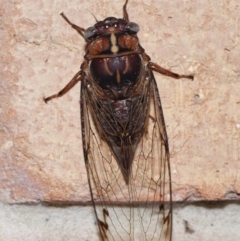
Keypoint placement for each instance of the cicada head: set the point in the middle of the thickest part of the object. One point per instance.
(110, 25)
(111, 37)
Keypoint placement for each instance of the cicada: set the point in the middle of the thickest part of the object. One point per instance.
(124, 136)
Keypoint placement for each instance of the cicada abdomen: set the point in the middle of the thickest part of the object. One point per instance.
(124, 136)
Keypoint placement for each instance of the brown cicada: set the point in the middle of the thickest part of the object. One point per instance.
(124, 136)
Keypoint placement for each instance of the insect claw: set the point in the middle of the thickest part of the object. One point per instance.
(45, 100)
(191, 77)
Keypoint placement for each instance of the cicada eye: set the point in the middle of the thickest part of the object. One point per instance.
(90, 32)
(132, 27)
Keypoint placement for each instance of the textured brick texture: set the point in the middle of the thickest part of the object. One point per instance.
(40, 145)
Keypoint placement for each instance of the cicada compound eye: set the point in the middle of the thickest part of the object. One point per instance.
(90, 32)
(132, 27)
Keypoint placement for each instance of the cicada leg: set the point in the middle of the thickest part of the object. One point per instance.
(166, 72)
(69, 86)
(80, 30)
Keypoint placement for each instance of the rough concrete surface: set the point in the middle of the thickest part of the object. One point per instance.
(40, 145)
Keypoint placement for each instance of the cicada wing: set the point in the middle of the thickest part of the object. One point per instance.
(151, 173)
(107, 185)
(137, 210)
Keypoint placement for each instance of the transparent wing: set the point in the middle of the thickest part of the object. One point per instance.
(140, 210)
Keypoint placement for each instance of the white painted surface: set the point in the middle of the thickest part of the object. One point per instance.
(207, 222)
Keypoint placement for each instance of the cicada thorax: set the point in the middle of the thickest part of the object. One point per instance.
(117, 75)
